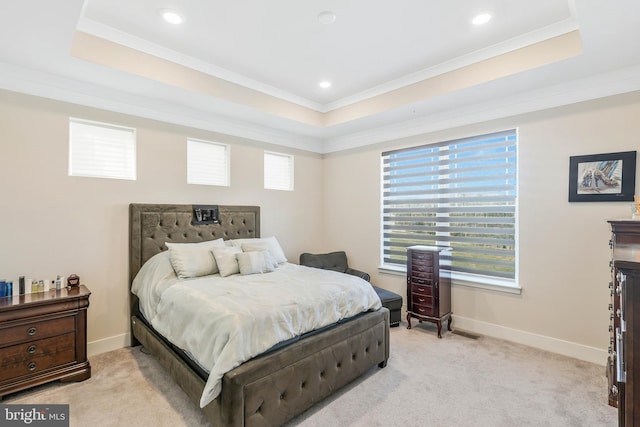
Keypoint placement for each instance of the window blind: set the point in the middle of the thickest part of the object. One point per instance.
(207, 163)
(459, 194)
(278, 171)
(101, 150)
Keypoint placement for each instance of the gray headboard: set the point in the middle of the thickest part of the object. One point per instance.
(150, 226)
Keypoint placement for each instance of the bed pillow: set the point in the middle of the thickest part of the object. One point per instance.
(254, 262)
(274, 246)
(193, 259)
(226, 259)
(272, 264)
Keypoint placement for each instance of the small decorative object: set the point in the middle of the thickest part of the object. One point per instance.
(609, 177)
(73, 281)
(636, 212)
(205, 214)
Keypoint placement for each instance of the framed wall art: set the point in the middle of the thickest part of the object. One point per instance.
(609, 177)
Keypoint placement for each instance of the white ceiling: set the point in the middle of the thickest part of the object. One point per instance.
(380, 56)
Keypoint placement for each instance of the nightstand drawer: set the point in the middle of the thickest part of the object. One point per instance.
(422, 300)
(421, 259)
(36, 330)
(419, 267)
(36, 356)
(422, 275)
(421, 289)
(422, 310)
(34, 349)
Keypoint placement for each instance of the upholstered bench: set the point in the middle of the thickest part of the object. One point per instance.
(391, 301)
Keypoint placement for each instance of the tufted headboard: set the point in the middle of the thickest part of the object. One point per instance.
(150, 226)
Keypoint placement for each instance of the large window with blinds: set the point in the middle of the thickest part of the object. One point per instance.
(457, 194)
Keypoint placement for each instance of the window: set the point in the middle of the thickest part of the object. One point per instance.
(459, 194)
(101, 150)
(278, 171)
(207, 163)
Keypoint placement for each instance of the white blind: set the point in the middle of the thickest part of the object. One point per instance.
(101, 150)
(207, 163)
(278, 171)
(460, 194)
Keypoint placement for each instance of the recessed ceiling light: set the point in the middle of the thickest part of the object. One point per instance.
(327, 17)
(172, 17)
(325, 84)
(483, 18)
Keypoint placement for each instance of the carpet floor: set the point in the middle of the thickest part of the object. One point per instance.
(453, 381)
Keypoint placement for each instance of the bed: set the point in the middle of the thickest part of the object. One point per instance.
(270, 388)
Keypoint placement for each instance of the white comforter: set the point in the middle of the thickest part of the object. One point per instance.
(223, 322)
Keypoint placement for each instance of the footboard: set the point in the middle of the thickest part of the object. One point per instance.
(272, 389)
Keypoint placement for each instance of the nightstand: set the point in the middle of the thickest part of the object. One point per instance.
(43, 338)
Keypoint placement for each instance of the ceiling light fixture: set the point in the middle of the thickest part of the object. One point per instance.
(480, 19)
(325, 84)
(327, 17)
(172, 17)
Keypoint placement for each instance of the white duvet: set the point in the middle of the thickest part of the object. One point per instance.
(223, 322)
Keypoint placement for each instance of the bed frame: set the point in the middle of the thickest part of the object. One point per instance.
(271, 389)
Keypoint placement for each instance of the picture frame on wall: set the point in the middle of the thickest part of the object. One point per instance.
(609, 177)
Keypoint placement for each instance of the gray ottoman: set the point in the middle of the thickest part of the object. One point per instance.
(391, 301)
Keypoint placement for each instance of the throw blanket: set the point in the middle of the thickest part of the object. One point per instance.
(223, 322)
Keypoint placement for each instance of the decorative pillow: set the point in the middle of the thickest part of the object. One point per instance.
(226, 260)
(193, 259)
(274, 246)
(261, 247)
(254, 262)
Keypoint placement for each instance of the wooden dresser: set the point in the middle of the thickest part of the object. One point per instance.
(43, 337)
(623, 367)
(428, 291)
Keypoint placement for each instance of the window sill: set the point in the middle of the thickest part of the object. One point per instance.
(462, 279)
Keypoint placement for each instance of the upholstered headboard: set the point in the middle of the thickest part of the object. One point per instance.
(151, 226)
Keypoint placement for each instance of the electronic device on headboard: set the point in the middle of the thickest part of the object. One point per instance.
(205, 214)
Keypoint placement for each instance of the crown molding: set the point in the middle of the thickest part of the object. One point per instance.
(586, 89)
(19, 79)
(111, 34)
(558, 29)
(23, 80)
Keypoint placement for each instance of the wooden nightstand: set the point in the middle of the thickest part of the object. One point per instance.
(43, 337)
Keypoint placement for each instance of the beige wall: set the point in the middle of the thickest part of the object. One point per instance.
(563, 247)
(55, 224)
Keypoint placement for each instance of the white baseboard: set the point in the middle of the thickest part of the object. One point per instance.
(108, 344)
(554, 345)
(566, 348)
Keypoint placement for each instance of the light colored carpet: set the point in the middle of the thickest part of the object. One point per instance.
(453, 381)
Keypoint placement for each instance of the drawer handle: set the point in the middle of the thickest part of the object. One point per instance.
(31, 349)
(32, 366)
(32, 331)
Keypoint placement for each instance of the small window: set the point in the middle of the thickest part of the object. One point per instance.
(207, 163)
(278, 171)
(101, 150)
